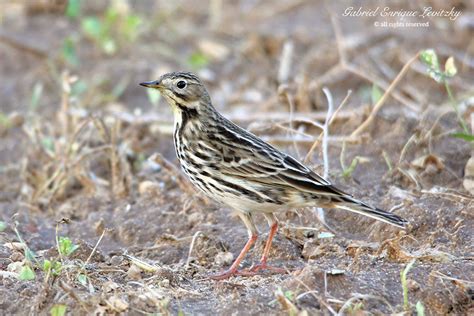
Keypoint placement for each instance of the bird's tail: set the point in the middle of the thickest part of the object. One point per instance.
(356, 206)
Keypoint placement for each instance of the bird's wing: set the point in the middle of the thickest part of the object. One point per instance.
(244, 155)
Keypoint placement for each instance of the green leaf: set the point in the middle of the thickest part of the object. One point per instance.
(420, 309)
(48, 143)
(348, 172)
(58, 310)
(66, 246)
(82, 278)
(57, 268)
(198, 60)
(132, 24)
(78, 88)
(26, 273)
(93, 27)
(376, 94)
(450, 69)
(68, 51)
(403, 277)
(289, 295)
(466, 137)
(111, 16)
(429, 58)
(54, 267)
(29, 254)
(3, 226)
(46, 265)
(73, 8)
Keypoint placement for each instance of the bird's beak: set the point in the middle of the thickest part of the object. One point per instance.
(151, 84)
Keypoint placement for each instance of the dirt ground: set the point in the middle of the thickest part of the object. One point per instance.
(77, 134)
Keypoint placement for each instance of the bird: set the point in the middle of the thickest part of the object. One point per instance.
(236, 168)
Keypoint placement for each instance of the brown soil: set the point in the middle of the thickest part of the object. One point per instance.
(75, 164)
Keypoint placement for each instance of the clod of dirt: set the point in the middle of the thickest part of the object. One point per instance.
(429, 164)
(224, 259)
(134, 272)
(149, 188)
(312, 249)
(110, 286)
(5, 254)
(468, 181)
(117, 303)
(116, 261)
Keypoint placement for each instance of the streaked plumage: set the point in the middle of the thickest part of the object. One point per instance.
(235, 167)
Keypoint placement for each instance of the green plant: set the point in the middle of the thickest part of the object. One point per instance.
(430, 59)
(26, 273)
(403, 278)
(347, 171)
(69, 52)
(30, 256)
(111, 29)
(197, 60)
(420, 309)
(355, 308)
(376, 94)
(73, 8)
(66, 246)
(52, 267)
(58, 310)
(82, 278)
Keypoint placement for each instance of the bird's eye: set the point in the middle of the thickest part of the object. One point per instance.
(181, 84)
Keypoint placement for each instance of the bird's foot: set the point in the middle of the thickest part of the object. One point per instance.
(224, 275)
(264, 266)
(254, 270)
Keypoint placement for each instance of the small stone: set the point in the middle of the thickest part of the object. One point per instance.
(118, 304)
(16, 256)
(195, 218)
(224, 258)
(134, 272)
(109, 286)
(468, 182)
(16, 119)
(213, 49)
(116, 260)
(149, 188)
(412, 285)
(165, 283)
(15, 267)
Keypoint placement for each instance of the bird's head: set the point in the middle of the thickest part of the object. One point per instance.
(184, 91)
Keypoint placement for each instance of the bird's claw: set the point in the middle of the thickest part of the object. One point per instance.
(254, 270)
(264, 266)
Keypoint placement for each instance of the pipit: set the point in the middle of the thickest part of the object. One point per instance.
(234, 167)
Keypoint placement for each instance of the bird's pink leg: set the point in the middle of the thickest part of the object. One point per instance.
(233, 270)
(246, 217)
(263, 261)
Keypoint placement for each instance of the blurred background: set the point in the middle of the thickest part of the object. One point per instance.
(77, 131)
